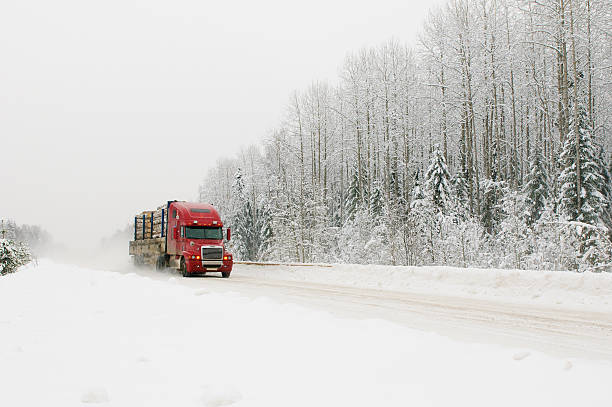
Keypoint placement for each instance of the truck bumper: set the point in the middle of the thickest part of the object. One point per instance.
(197, 266)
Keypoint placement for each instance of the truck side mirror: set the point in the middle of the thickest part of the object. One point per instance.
(229, 233)
(176, 234)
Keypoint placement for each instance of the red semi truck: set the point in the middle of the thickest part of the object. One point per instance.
(184, 235)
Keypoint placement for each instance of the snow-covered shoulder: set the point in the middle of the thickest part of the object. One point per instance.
(592, 291)
(78, 336)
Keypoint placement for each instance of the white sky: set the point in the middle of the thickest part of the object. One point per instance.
(111, 107)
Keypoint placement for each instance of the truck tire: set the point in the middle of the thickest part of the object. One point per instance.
(183, 268)
(225, 274)
(161, 263)
(138, 261)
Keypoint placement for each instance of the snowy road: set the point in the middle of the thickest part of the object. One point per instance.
(265, 337)
(558, 330)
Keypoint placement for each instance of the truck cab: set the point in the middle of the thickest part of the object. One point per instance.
(194, 239)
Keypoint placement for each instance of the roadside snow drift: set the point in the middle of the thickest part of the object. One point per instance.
(591, 291)
(75, 337)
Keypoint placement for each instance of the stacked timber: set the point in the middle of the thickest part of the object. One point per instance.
(149, 249)
(152, 223)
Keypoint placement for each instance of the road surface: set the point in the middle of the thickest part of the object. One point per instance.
(555, 330)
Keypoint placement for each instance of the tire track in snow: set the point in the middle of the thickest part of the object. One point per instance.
(553, 329)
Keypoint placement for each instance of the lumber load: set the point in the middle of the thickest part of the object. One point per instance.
(150, 224)
(149, 249)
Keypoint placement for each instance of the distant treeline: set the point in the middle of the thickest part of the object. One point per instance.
(34, 236)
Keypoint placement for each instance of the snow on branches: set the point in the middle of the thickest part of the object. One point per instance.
(463, 151)
(13, 255)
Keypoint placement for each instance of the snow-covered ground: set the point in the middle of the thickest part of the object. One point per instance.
(71, 336)
(591, 291)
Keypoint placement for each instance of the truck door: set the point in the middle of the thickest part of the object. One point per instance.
(172, 230)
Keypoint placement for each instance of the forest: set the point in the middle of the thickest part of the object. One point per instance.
(486, 144)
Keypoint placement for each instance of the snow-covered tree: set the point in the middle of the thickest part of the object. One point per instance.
(438, 180)
(536, 190)
(242, 220)
(354, 197)
(263, 229)
(581, 180)
(13, 255)
(512, 240)
(355, 243)
(492, 212)
(460, 193)
(376, 202)
(425, 222)
(252, 223)
(417, 191)
(499, 113)
(606, 190)
(553, 247)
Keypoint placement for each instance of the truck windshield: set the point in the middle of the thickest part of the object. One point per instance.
(202, 232)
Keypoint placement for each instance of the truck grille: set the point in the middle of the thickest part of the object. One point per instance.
(212, 253)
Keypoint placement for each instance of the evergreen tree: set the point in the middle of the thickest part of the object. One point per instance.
(460, 193)
(492, 211)
(512, 242)
(424, 222)
(459, 187)
(263, 228)
(606, 190)
(395, 186)
(13, 255)
(587, 204)
(536, 189)
(355, 197)
(376, 202)
(438, 180)
(242, 220)
(417, 191)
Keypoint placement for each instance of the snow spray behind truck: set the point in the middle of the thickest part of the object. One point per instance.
(183, 235)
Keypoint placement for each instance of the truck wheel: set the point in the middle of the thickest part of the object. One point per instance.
(183, 268)
(162, 262)
(225, 274)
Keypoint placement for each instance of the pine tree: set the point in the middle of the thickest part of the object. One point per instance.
(13, 255)
(424, 222)
(263, 227)
(242, 220)
(536, 189)
(605, 189)
(417, 191)
(587, 204)
(354, 197)
(492, 212)
(512, 240)
(460, 193)
(438, 180)
(376, 202)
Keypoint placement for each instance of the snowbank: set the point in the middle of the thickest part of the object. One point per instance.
(583, 290)
(71, 337)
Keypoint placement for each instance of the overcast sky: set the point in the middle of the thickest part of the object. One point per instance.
(108, 108)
